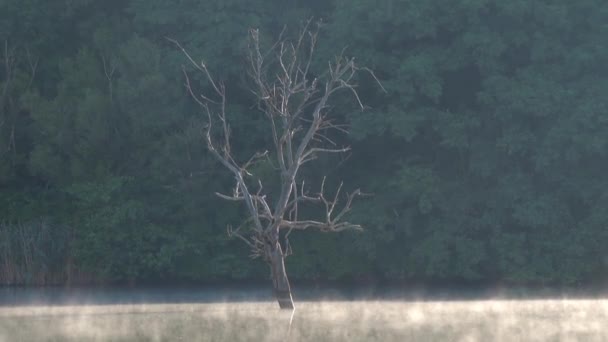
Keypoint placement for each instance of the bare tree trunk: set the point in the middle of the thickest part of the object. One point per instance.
(296, 106)
(282, 290)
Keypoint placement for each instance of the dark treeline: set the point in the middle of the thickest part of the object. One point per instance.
(486, 156)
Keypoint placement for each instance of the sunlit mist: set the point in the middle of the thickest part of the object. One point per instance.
(487, 320)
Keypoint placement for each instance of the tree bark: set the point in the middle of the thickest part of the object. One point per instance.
(297, 109)
(282, 290)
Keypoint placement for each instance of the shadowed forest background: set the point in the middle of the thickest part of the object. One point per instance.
(486, 157)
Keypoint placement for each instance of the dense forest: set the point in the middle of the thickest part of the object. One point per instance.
(486, 156)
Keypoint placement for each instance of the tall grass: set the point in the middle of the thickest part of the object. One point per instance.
(33, 253)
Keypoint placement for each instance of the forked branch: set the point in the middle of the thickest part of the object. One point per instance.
(296, 106)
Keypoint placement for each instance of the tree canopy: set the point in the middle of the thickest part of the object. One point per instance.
(486, 156)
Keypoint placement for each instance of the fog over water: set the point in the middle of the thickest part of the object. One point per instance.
(189, 315)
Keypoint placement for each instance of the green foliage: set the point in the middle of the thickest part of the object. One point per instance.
(486, 156)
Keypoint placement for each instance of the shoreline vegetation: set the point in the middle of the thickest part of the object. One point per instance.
(303, 291)
(485, 159)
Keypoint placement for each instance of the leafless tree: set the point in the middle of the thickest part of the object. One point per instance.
(295, 105)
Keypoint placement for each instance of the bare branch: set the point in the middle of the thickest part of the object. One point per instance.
(229, 198)
(254, 159)
(262, 200)
(237, 234)
(108, 70)
(314, 150)
(223, 153)
(296, 105)
(322, 226)
(33, 64)
(369, 71)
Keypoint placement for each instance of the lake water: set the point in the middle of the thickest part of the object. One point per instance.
(249, 314)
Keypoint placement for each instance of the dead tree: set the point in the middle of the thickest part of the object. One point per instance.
(295, 105)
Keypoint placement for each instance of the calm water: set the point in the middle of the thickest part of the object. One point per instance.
(249, 314)
(19, 296)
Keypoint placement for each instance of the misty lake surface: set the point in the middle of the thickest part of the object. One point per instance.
(250, 314)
